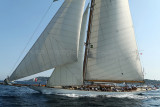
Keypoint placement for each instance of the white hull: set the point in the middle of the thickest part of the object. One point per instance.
(67, 92)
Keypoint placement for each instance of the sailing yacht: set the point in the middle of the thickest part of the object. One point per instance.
(109, 54)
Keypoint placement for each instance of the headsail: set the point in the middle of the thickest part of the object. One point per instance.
(58, 43)
(113, 54)
(71, 74)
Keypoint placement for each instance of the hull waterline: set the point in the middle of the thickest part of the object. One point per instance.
(57, 91)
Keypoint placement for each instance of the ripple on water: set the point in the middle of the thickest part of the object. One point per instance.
(23, 96)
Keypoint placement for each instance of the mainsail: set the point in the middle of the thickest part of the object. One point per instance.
(57, 45)
(112, 54)
(71, 74)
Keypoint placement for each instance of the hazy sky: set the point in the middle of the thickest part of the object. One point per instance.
(20, 18)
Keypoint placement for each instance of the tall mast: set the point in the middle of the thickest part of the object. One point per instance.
(88, 37)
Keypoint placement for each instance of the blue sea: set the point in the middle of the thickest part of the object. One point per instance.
(11, 96)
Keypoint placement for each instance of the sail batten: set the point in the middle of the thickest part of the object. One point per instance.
(71, 74)
(113, 53)
(58, 43)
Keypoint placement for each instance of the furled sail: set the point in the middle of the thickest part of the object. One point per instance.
(58, 43)
(113, 54)
(71, 74)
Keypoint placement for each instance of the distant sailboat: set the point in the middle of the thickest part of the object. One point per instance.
(111, 53)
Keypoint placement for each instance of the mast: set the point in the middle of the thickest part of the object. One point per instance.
(88, 37)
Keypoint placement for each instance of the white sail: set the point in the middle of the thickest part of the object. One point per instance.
(71, 74)
(113, 53)
(58, 43)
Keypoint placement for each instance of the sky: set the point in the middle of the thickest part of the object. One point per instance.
(22, 21)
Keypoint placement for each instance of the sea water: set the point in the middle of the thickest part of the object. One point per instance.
(11, 96)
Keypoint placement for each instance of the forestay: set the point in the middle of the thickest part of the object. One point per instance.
(71, 74)
(58, 43)
(113, 54)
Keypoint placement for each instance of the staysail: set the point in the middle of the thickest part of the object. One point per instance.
(113, 54)
(71, 74)
(58, 43)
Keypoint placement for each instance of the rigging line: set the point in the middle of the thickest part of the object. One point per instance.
(32, 36)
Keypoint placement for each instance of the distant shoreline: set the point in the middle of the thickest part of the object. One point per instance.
(44, 79)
